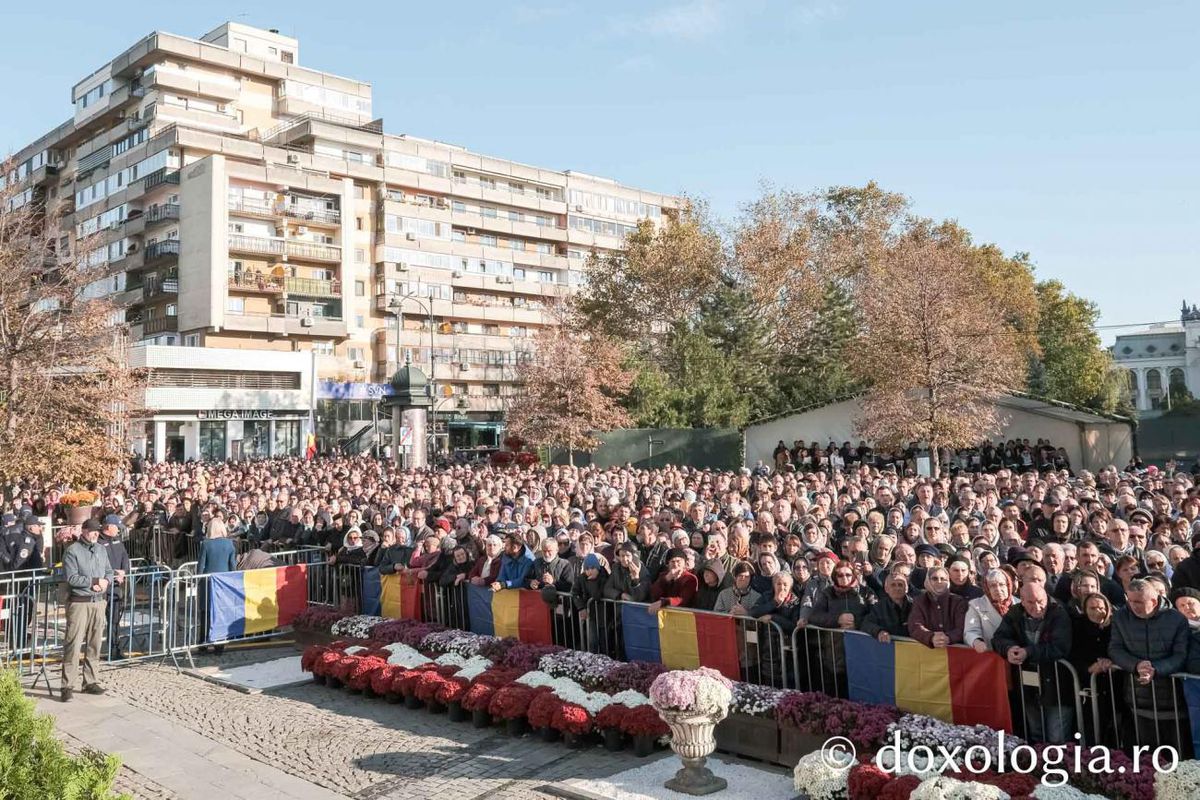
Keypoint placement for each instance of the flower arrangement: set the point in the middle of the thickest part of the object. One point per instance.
(317, 618)
(359, 676)
(358, 626)
(918, 729)
(310, 655)
(446, 641)
(478, 697)
(865, 781)
(473, 667)
(452, 690)
(78, 499)
(405, 682)
(636, 676)
(404, 656)
(819, 780)
(899, 789)
(497, 650)
(427, 685)
(341, 668)
(1065, 792)
(630, 699)
(588, 669)
(865, 724)
(572, 719)
(524, 657)
(324, 662)
(353, 650)
(612, 716)
(754, 700)
(1122, 781)
(383, 679)
(1014, 784)
(644, 721)
(405, 631)
(511, 702)
(450, 659)
(703, 691)
(943, 787)
(1182, 784)
(541, 709)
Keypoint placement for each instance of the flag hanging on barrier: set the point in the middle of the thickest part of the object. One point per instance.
(681, 639)
(395, 596)
(519, 613)
(1191, 693)
(255, 601)
(952, 684)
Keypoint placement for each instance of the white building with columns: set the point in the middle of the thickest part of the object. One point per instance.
(1161, 360)
(213, 404)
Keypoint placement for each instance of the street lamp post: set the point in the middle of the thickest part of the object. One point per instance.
(397, 306)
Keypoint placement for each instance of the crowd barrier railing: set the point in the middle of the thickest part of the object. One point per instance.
(1046, 701)
(760, 644)
(1141, 714)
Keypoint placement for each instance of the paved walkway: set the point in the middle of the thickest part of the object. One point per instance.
(182, 737)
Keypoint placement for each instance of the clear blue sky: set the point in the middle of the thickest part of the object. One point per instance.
(1066, 129)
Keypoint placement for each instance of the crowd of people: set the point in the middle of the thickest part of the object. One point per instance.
(1040, 565)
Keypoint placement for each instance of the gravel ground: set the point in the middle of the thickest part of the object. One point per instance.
(362, 748)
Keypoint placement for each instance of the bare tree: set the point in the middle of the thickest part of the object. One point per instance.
(571, 387)
(68, 392)
(938, 345)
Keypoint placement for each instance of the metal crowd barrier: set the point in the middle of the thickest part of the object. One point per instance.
(762, 654)
(1150, 715)
(819, 665)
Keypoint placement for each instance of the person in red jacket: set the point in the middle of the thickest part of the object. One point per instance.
(675, 586)
(938, 615)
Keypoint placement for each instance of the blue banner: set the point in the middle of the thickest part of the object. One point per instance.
(640, 629)
(372, 592)
(870, 669)
(479, 607)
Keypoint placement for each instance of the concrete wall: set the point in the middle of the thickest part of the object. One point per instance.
(203, 248)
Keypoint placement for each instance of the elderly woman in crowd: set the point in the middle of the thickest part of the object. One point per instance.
(984, 613)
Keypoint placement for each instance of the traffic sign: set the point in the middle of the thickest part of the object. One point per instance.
(405, 436)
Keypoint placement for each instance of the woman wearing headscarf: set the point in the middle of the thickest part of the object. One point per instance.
(426, 561)
(588, 591)
(938, 615)
(1091, 632)
(984, 613)
(394, 551)
(713, 580)
(352, 549)
(371, 548)
(628, 580)
(453, 581)
(959, 570)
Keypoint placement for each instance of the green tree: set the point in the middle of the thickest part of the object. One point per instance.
(1071, 365)
(818, 370)
(33, 763)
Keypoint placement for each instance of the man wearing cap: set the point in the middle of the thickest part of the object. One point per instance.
(88, 573)
(118, 559)
(675, 586)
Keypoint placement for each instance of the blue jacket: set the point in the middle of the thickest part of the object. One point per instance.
(514, 571)
(216, 555)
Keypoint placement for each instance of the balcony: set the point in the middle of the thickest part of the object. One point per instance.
(287, 325)
(161, 286)
(313, 287)
(249, 207)
(320, 216)
(282, 247)
(161, 251)
(256, 282)
(160, 176)
(163, 213)
(163, 324)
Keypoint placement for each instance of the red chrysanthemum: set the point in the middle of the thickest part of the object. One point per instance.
(572, 718)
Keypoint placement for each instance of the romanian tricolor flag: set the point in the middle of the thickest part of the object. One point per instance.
(519, 613)
(310, 446)
(681, 639)
(953, 684)
(395, 596)
(255, 601)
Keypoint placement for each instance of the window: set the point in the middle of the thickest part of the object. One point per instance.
(360, 321)
(356, 354)
(358, 221)
(236, 305)
(546, 277)
(458, 236)
(458, 206)
(191, 340)
(518, 274)
(487, 239)
(487, 211)
(172, 310)
(360, 288)
(287, 57)
(360, 256)
(323, 348)
(516, 244)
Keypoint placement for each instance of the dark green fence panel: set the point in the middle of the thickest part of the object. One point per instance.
(716, 448)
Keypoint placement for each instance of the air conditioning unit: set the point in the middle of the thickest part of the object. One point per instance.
(456, 274)
(579, 208)
(401, 266)
(306, 322)
(380, 160)
(302, 230)
(463, 367)
(114, 226)
(131, 248)
(504, 279)
(358, 363)
(470, 231)
(412, 237)
(440, 202)
(293, 158)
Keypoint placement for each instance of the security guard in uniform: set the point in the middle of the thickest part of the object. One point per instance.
(21, 549)
(23, 545)
(118, 559)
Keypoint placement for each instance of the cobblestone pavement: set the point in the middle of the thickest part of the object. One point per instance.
(128, 781)
(359, 747)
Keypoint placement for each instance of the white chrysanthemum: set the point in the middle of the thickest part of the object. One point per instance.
(354, 649)
(944, 788)
(1182, 784)
(818, 780)
(630, 698)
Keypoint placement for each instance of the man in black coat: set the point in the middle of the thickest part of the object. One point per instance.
(1034, 636)
(1187, 574)
(889, 616)
(118, 558)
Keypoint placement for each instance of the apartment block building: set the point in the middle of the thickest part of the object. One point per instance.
(244, 203)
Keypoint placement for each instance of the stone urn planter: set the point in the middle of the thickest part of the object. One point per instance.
(77, 515)
(692, 739)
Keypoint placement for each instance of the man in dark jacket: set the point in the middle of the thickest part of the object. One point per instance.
(938, 616)
(1034, 636)
(889, 616)
(118, 557)
(1150, 642)
(1187, 573)
(550, 572)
